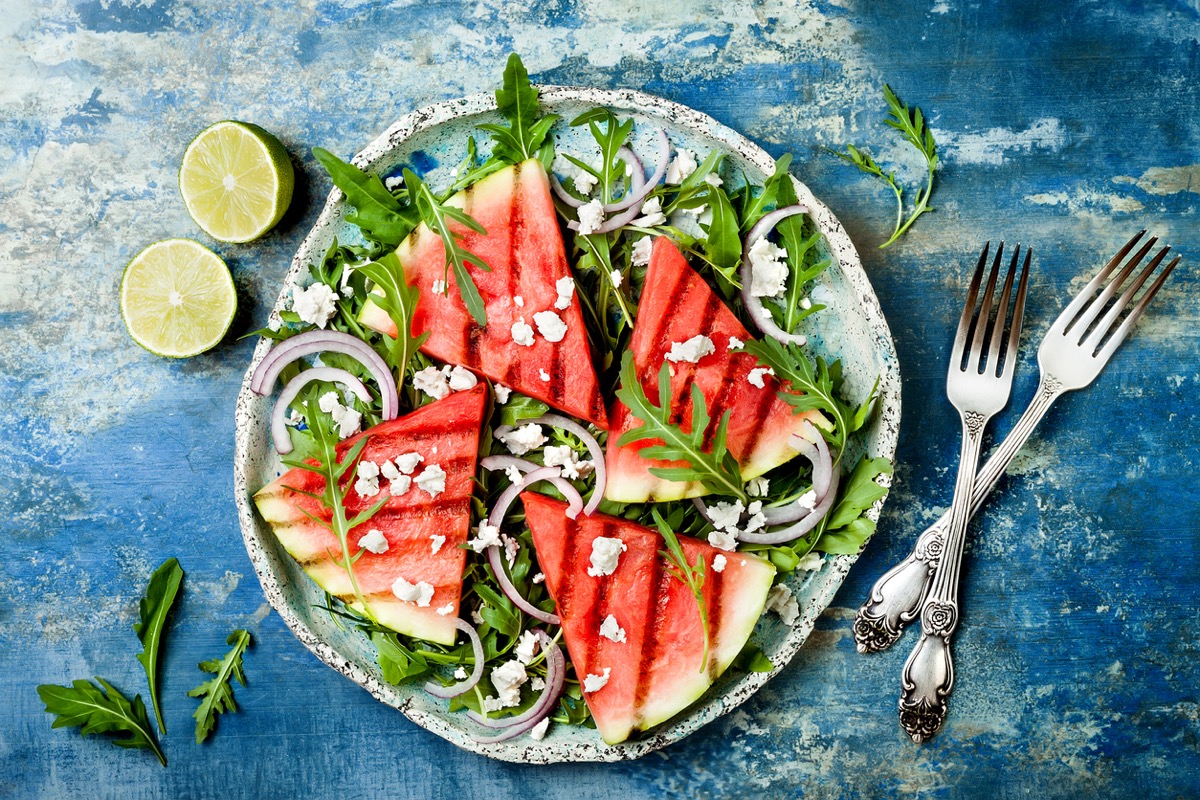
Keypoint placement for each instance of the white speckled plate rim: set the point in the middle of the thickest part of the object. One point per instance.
(576, 744)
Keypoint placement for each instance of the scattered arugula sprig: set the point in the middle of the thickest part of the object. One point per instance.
(525, 135)
(216, 695)
(152, 611)
(379, 213)
(690, 575)
(913, 129)
(101, 709)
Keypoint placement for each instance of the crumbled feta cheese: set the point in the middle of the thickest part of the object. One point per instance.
(518, 301)
(735, 343)
(536, 683)
(435, 543)
(811, 562)
(756, 520)
(722, 540)
(594, 683)
(522, 334)
(388, 470)
(591, 216)
(408, 462)
(681, 166)
(367, 469)
(538, 732)
(651, 214)
(606, 551)
(460, 674)
(367, 487)
(462, 379)
(373, 541)
(808, 499)
(508, 679)
(616, 278)
(585, 182)
(757, 374)
(513, 473)
(539, 577)
(726, 516)
(511, 546)
(347, 291)
(392, 181)
(527, 647)
(640, 255)
(565, 288)
(399, 485)
(432, 479)
(543, 376)
(346, 419)
(476, 617)
(780, 600)
(420, 593)
(692, 350)
(719, 562)
(439, 286)
(432, 381)
(768, 268)
(446, 609)
(491, 704)
(485, 536)
(566, 458)
(520, 441)
(758, 487)
(550, 326)
(502, 393)
(713, 179)
(610, 630)
(315, 304)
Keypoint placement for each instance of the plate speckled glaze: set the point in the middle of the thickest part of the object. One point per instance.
(852, 329)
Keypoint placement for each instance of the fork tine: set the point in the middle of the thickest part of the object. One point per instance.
(1092, 342)
(1095, 307)
(1123, 330)
(985, 310)
(993, 358)
(964, 324)
(1081, 299)
(1018, 320)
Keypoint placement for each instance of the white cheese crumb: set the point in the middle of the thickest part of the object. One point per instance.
(585, 182)
(757, 520)
(536, 683)
(435, 543)
(315, 304)
(610, 630)
(713, 179)
(726, 516)
(432, 381)
(408, 462)
(476, 617)
(367, 469)
(811, 562)
(722, 541)
(594, 683)
(520, 441)
(508, 678)
(439, 286)
(460, 674)
(565, 288)
(485, 536)
(768, 269)
(550, 326)
(491, 704)
(543, 375)
(640, 254)
(346, 419)
(388, 469)
(511, 546)
(446, 609)
(462, 379)
(538, 732)
(566, 458)
(616, 278)
(522, 334)
(420, 593)
(513, 473)
(392, 181)
(399, 485)
(518, 301)
(808, 499)
(502, 393)
(757, 374)
(527, 647)
(374, 542)
(432, 479)
(606, 552)
(780, 600)
(735, 343)
(683, 165)
(367, 487)
(692, 350)
(758, 487)
(591, 216)
(719, 562)
(651, 214)
(805, 303)
(539, 577)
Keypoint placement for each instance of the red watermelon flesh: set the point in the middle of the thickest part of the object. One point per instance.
(451, 428)
(657, 671)
(676, 304)
(524, 248)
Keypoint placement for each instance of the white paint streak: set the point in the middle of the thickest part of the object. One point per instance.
(995, 146)
(1166, 180)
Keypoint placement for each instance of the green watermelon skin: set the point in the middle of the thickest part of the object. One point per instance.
(676, 304)
(524, 248)
(658, 671)
(452, 427)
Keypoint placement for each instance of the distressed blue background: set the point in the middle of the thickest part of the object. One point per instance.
(1065, 125)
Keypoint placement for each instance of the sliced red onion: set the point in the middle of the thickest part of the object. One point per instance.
(462, 687)
(279, 434)
(798, 529)
(637, 179)
(556, 675)
(496, 559)
(497, 463)
(545, 706)
(317, 341)
(660, 170)
(563, 194)
(759, 315)
(593, 446)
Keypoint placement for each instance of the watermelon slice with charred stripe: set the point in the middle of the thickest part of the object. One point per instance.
(445, 433)
(659, 669)
(676, 305)
(524, 248)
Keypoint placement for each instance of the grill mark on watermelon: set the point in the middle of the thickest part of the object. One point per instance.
(712, 588)
(655, 610)
(566, 588)
(656, 335)
(761, 410)
(718, 403)
(685, 387)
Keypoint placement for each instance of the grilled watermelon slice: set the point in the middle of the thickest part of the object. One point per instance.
(408, 522)
(676, 305)
(524, 248)
(657, 671)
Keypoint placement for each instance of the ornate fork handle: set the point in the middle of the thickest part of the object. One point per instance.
(895, 599)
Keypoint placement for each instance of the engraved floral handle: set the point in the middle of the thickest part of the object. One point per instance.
(895, 599)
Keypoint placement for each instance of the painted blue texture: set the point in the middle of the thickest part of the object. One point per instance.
(1066, 126)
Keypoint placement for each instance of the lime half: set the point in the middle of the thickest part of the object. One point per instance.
(236, 180)
(177, 298)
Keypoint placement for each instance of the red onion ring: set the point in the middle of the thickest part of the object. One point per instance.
(497, 463)
(800, 528)
(556, 675)
(637, 179)
(594, 449)
(563, 194)
(546, 703)
(759, 315)
(612, 223)
(462, 687)
(660, 171)
(279, 434)
(316, 341)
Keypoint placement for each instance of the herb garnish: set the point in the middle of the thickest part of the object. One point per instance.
(380, 215)
(914, 130)
(399, 300)
(94, 709)
(846, 528)
(517, 102)
(153, 610)
(217, 694)
(690, 575)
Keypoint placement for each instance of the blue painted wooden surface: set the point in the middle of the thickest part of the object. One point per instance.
(1066, 126)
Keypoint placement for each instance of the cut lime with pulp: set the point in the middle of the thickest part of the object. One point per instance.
(177, 298)
(236, 180)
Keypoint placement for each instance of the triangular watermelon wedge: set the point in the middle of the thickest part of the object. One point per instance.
(657, 671)
(444, 433)
(676, 305)
(524, 248)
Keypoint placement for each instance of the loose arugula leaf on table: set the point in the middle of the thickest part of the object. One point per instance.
(152, 611)
(690, 575)
(752, 659)
(101, 709)
(399, 300)
(517, 102)
(846, 529)
(379, 214)
(717, 470)
(216, 695)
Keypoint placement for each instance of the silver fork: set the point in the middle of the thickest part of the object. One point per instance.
(978, 387)
(1069, 360)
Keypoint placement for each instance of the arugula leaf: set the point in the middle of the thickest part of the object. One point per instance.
(94, 709)
(397, 662)
(723, 245)
(399, 300)
(518, 103)
(690, 575)
(521, 407)
(610, 138)
(216, 695)
(757, 206)
(379, 214)
(717, 470)
(846, 529)
(752, 659)
(153, 610)
(498, 611)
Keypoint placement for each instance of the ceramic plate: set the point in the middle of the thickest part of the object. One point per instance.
(852, 329)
